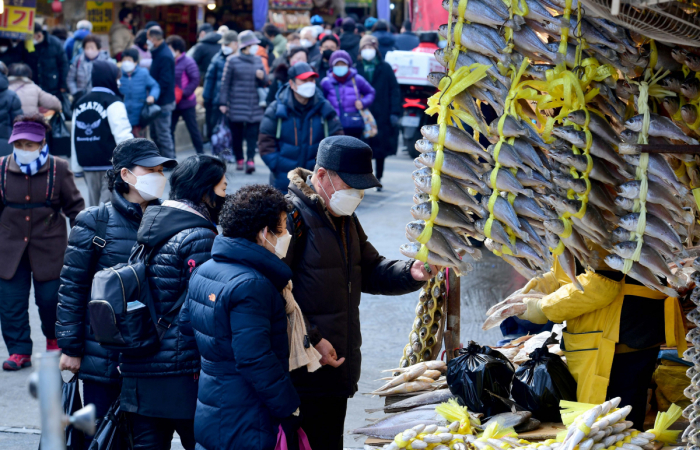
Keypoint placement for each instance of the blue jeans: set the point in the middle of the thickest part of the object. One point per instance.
(14, 308)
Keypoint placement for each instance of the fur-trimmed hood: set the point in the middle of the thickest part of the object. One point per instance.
(298, 186)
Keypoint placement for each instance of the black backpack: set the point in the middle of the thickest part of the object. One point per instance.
(122, 312)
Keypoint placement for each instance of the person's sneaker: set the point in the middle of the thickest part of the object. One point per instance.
(52, 345)
(239, 164)
(250, 167)
(16, 362)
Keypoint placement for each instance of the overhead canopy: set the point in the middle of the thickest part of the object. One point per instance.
(172, 2)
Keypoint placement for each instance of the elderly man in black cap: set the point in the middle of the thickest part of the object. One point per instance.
(333, 264)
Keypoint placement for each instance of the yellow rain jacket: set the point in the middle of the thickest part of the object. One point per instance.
(593, 323)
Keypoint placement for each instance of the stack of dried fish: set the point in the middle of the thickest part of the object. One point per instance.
(692, 434)
(518, 350)
(424, 376)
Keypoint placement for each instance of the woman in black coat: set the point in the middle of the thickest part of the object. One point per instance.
(102, 237)
(160, 391)
(386, 107)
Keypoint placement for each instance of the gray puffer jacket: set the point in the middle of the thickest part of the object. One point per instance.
(239, 88)
(80, 73)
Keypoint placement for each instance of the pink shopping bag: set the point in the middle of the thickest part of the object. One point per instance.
(282, 440)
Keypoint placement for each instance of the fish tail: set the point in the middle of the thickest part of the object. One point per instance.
(518, 21)
(526, 169)
(528, 193)
(577, 285)
(670, 292)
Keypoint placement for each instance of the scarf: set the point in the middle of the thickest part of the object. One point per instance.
(369, 68)
(299, 356)
(33, 167)
(342, 79)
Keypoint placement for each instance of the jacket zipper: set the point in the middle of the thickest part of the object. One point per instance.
(122, 284)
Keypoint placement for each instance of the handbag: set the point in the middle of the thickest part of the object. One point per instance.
(114, 432)
(149, 113)
(282, 440)
(348, 120)
(370, 128)
(71, 403)
(221, 138)
(66, 105)
(59, 139)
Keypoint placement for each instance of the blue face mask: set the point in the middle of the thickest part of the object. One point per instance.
(340, 71)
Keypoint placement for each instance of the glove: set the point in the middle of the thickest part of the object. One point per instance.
(290, 425)
(534, 312)
(546, 283)
(394, 120)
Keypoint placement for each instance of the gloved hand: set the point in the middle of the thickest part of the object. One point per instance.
(546, 283)
(534, 312)
(394, 120)
(290, 425)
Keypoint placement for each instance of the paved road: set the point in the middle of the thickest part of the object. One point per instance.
(386, 321)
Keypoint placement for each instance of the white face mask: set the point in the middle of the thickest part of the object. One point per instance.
(344, 202)
(150, 186)
(91, 54)
(282, 244)
(306, 43)
(253, 49)
(149, 44)
(307, 90)
(3, 48)
(368, 54)
(128, 66)
(226, 50)
(26, 157)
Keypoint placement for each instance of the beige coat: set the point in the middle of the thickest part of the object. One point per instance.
(32, 96)
(120, 38)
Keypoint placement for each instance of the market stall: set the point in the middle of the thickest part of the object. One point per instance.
(589, 189)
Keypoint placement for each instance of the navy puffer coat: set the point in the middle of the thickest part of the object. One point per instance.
(237, 314)
(182, 241)
(73, 326)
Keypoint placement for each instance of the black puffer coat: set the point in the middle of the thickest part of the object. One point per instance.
(387, 103)
(328, 284)
(182, 241)
(49, 65)
(73, 326)
(10, 107)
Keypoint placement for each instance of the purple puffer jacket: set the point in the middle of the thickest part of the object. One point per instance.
(187, 79)
(347, 92)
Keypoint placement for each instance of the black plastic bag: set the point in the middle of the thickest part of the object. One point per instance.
(59, 139)
(114, 432)
(70, 400)
(149, 113)
(541, 382)
(66, 105)
(477, 373)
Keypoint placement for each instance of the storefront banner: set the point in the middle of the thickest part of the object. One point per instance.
(100, 15)
(17, 20)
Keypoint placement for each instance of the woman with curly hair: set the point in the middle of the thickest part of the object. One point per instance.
(103, 236)
(38, 191)
(237, 315)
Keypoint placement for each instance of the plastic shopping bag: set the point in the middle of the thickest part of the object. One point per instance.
(221, 139)
(477, 373)
(282, 440)
(59, 138)
(541, 382)
(71, 402)
(114, 432)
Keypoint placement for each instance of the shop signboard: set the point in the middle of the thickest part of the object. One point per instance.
(17, 20)
(100, 15)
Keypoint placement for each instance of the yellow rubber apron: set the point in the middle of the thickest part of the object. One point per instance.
(590, 340)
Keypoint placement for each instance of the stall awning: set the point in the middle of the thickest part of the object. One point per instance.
(172, 2)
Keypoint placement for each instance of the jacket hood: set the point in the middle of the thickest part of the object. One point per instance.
(210, 38)
(132, 211)
(80, 34)
(160, 223)
(4, 83)
(299, 187)
(384, 37)
(351, 39)
(242, 251)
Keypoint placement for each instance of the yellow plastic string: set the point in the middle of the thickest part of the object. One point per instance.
(558, 250)
(565, 32)
(663, 421)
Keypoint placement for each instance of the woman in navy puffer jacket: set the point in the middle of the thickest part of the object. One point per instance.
(237, 314)
(138, 88)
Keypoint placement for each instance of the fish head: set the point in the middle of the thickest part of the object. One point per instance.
(619, 234)
(671, 104)
(632, 159)
(624, 203)
(555, 226)
(614, 261)
(625, 249)
(442, 30)
(629, 221)
(635, 123)
(430, 131)
(421, 198)
(692, 60)
(625, 148)
(415, 228)
(435, 77)
(551, 239)
(479, 225)
(427, 159)
(491, 245)
(440, 56)
(678, 54)
(410, 249)
(573, 206)
(424, 146)
(421, 210)
(689, 113)
(629, 136)
(577, 117)
(421, 173)
(629, 189)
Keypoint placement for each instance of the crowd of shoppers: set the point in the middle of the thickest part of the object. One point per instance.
(229, 370)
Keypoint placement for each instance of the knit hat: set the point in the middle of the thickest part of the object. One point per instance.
(369, 22)
(368, 39)
(340, 55)
(348, 24)
(84, 25)
(228, 37)
(247, 38)
(316, 20)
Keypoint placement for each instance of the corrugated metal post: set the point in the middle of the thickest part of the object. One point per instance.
(454, 307)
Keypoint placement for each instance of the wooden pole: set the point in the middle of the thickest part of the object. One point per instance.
(454, 306)
(666, 148)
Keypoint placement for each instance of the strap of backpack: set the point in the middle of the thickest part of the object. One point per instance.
(3, 177)
(99, 240)
(279, 127)
(51, 180)
(325, 126)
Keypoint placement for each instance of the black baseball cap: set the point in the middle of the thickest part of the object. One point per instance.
(140, 152)
(350, 158)
(302, 71)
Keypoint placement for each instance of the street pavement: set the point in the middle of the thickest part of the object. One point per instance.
(386, 321)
